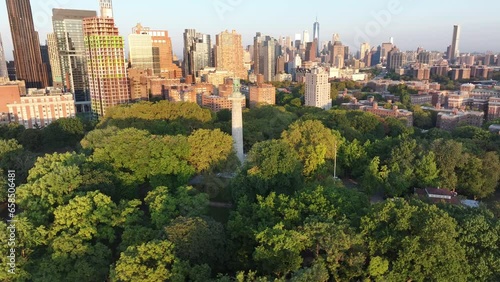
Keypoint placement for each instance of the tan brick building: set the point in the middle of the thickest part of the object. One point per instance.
(229, 54)
(262, 94)
(40, 107)
(455, 118)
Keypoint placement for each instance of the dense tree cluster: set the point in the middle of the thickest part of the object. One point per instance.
(122, 202)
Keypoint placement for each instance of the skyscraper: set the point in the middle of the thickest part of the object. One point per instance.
(3, 62)
(27, 56)
(454, 52)
(310, 55)
(197, 52)
(55, 63)
(106, 61)
(44, 52)
(316, 36)
(141, 51)
(305, 37)
(229, 54)
(162, 41)
(317, 92)
(365, 47)
(265, 56)
(386, 47)
(337, 53)
(395, 59)
(68, 29)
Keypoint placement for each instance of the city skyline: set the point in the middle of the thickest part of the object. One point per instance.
(375, 23)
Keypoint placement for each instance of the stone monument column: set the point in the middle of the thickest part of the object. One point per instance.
(237, 121)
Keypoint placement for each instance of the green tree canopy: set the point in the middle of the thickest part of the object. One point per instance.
(198, 240)
(209, 149)
(313, 142)
(418, 240)
(271, 166)
(151, 261)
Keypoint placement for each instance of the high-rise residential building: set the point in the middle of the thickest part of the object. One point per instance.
(337, 53)
(395, 59)
(106, 62)
(68, 29)
(3, 63)
(363, 50)
(386, 48)
(316, 36)
(454, 52)
(55, 63)
(197, 52)
(229, 54)
(305, 37)
(317, 89)
(265, 50)
(44, 52)
(310, 55)
(376, 56)
(141, 51)
(424, 57)
(27, 56)
(162, 41)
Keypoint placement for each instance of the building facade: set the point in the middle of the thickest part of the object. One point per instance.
(197, 52)
(106, 63)
(141, 52)
(265, 50)
(27, 55)
(55, 63)
(262, 94)
(41, 107)
(229, 54)
(163, 44)
(317, 89)
(68, 28)
(451, 119)
(493, 108)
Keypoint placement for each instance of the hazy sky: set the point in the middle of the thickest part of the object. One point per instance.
(412, 23)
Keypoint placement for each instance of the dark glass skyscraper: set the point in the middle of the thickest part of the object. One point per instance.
(316, 36)
(27, 56)
(197, 52)
(68, 29)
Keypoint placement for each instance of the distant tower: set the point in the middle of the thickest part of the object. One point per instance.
(106, 8)
(316, 36)
(305, 37)
(3, 62)
(27, 55)
(454, 53)
(237, 121)
(391, 40)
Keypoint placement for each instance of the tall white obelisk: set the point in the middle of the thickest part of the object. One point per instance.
(237, 122)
